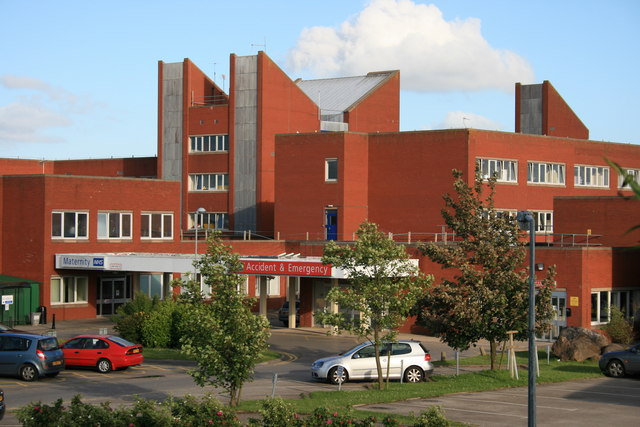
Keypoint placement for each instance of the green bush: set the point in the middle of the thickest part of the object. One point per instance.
(276, 412)
(432, 417)
(619, 329)
(131, 317)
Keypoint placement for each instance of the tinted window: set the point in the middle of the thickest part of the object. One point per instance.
(120, 341)
(401, 348)
(15, 343)
(75, 343)
(368, 351)
(48, 344)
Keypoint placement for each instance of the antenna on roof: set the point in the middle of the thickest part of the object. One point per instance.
(261, 45)
(214, 72)
(464, 125)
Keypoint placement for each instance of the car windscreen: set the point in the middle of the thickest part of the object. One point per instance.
(120, 341)
(48, 344)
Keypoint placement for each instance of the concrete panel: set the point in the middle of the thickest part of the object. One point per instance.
(172, 121)
(531, 109)
(245, 144)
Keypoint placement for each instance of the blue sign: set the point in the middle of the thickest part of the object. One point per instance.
(98, 262)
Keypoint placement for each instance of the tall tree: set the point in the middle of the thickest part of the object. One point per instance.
(383, 286)
(489, 294)
(221, 332)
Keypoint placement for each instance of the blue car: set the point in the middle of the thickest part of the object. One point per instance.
(621, 363)
(30, 356)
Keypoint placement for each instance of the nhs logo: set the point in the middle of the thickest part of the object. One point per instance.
(98, 262)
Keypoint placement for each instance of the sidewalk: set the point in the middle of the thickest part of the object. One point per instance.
(66, 329)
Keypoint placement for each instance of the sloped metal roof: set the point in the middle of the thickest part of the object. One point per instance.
(340, 94)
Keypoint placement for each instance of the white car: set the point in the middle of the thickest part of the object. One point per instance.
(409, 360)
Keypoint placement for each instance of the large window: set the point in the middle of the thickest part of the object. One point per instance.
(209, 181)
(151, 285)
(69, 290)
(543, 221)
(635, 176)
(217, 220)
(273, 285)
(503, 170)
(602, 301)
(207, 143)
(114, 225)
(591, 176)
(331, 170)
(70, 225)
(156, 226)
(546, 173)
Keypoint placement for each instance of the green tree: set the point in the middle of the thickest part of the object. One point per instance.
(489, 294)
(630, 180)
(383, 286)
(220, 331)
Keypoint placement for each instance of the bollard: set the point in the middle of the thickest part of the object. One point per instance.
(274, 384)
(53, 321)
(457, 363)
(443, 356)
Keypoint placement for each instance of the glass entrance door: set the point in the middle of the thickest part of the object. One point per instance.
(112, 293)
(559, 303)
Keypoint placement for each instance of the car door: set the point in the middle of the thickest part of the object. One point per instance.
(73, 351)
(13, 353)
(363, 363)
(400, 359)
(94, 349)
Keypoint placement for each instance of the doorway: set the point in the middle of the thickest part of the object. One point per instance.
(331, 223)
(559, 303)
(112, 293)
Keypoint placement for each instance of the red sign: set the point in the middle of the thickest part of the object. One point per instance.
(285, 268)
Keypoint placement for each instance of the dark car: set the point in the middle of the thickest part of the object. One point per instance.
(621, 363)
(30, 356)
(283, 313)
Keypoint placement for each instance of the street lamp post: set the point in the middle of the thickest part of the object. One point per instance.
(199, 211)
(525, 221)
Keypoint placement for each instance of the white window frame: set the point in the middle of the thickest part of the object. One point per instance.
(166, 232)
(124, 230)
(209, 182)
(149, 288)
(66, 219)
(210, 220)
(607, 298)
(69, 290)
(543, 221)
(635, 173)
(504, 170)
(591, 176)
(331, 170)
(209, 143)
(546, 173)
(273, 286)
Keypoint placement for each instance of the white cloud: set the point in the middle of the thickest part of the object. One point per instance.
(461, 119)
(431, 53)
(24, 122)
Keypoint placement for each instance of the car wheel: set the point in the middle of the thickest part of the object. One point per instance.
(615, 368)
(413, 374)
(333, 377)
(104, 366)
(28, 373)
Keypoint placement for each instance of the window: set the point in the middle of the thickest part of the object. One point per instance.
(67, 290)
(545, 173)
(503, 170)
(635, 176)
(591, 176)
(331, 170)
(209, 181)
(114, 225)
(70, 225)
(543, 221)
(208, 143)
(156, 226)
(151, 285)
(273, 285)
(602, 301)
(217, 220)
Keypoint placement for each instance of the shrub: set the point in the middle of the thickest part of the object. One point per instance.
(131, 317)
(432, 417)
(276, 412)
(619, 329)
(190, 411)
(157, 327)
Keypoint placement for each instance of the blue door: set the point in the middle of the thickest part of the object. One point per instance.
(331, 224)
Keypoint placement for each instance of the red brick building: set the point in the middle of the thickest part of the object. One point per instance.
(282, 166)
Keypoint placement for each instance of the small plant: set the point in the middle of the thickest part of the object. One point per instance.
(432, 417)
(619, 329)
(276, 412)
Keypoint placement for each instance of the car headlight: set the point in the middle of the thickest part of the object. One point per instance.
(317, 365)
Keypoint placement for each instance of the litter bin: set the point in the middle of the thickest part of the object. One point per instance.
(35, 318)
(43, 314)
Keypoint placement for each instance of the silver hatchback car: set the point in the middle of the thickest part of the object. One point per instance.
(409, 361)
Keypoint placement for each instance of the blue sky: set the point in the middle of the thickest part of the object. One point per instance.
(78, 79)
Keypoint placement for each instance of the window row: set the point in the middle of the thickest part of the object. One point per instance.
(552, 173)
(543, 220)
(217, 220)
(209, 182)
(208, 143)
(111, 225)
(603, 301)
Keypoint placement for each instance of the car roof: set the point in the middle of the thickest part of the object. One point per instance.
(24, 335)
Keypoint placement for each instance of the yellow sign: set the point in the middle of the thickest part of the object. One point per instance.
(574, 301)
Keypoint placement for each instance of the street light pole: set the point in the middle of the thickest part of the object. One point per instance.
(199, 211)
(525, 218)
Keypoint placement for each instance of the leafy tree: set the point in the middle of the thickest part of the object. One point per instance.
(383, 287)
(221, 333)
(627, 179)
(489, 294)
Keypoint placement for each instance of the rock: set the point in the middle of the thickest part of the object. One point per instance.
(613, 347)
(579, 344)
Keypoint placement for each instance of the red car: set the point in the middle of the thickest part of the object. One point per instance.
(105, 352)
